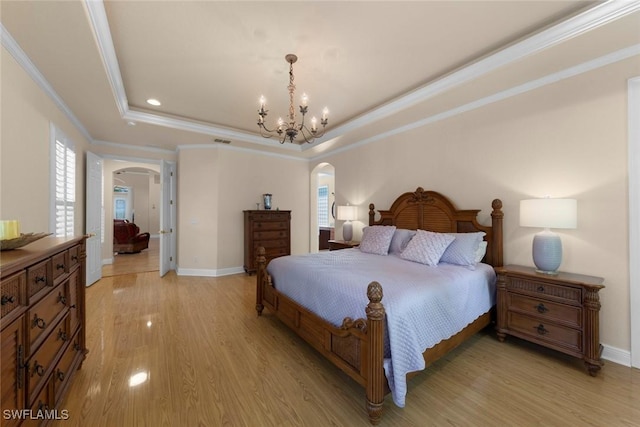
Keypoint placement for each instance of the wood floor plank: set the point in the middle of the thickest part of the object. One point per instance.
(211, 361)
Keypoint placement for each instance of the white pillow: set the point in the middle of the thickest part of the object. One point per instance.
(462, 250)
(481, 252)
(427, 247)
(376, 239)
(400, 240)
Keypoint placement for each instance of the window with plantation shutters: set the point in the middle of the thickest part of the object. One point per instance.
(323, 206)
(64, 184)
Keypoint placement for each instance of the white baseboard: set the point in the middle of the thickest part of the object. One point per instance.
(616, 355)
(107, 261)
(208, 272)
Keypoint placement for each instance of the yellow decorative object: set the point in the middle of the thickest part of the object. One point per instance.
(9, 229)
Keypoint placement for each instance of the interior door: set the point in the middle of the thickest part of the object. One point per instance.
(167, 217)
(94, 215)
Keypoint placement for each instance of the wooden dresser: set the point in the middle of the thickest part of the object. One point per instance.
(42, 327)
(559, 312)
(269, 229)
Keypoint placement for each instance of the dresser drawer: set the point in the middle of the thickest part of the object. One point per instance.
(270, 244)
(74, 257)
(42, 316)
(60, 265)
(38, 278)
(270, 235)
(541, 329)
(41, 362)
(72, 300)
(13, 293)
(270, 225)
(42, 402)
(66, 366)
(544, 310)
(541, 289)
(275, 253)
(270, 216)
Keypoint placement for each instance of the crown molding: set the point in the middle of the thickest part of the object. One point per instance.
(581, 23)
(10, 44)
(602, 61)
(102, 34)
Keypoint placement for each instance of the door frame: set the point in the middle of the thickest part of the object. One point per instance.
(633, 117)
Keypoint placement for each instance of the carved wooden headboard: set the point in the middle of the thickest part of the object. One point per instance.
(429, 210)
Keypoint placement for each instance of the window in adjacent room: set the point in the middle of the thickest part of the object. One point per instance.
(63, 184)
(323, 206)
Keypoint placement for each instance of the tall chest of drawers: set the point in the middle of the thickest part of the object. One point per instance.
(557, 311)
(270, 229)
(42, 326)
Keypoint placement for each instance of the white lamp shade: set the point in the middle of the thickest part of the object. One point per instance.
(549, 213)
(347, 213)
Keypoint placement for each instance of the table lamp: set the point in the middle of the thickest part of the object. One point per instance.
(548, 213)
(348, 214)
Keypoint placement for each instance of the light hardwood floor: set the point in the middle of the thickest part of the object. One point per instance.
(145, 260)
(211, 361)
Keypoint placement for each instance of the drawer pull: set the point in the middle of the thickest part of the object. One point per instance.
(60, 375)
(541, 308)
(72, 306)
(540, 289)
(42, 406)
(541, 330)
(41, 279)
(74, 257)
(59, 266)
(62, 299)
(39, 322)
(62, 335)
(76, 346)
(8, 299)
(37, 369)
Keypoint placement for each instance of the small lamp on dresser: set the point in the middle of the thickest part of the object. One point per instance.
(347, 213)
(548, 213)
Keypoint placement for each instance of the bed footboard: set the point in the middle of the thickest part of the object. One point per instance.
(356, 347)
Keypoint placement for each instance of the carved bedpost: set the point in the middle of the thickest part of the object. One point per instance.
(372, 214)
(375, 331)
(262, 264)
(496, 223)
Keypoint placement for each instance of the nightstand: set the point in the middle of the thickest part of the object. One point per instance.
(335, 245)
(556, 311)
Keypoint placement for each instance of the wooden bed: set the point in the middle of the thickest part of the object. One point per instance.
(357, 346)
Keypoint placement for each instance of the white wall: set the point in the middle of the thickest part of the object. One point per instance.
(567, 139)
(215, 184)
(25, 151)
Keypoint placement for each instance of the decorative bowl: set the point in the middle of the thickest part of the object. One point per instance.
(18, 242)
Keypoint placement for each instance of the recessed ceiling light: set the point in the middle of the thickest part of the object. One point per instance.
(154, 102)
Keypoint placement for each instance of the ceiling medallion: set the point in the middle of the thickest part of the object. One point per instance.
(290, 130)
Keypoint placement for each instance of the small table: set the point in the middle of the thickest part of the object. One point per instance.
(335, 245)
(558, 312)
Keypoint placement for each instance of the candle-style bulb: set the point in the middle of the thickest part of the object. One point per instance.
(314, 123)
(325, 113)
(262, 101)
(305, 99)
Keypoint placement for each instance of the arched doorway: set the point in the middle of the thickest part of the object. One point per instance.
(322, 191)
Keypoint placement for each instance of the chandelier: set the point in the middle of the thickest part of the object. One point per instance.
(290, 130)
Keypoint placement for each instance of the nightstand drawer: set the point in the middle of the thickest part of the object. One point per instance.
(560, 293)
(538, 329)
(546, 310)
